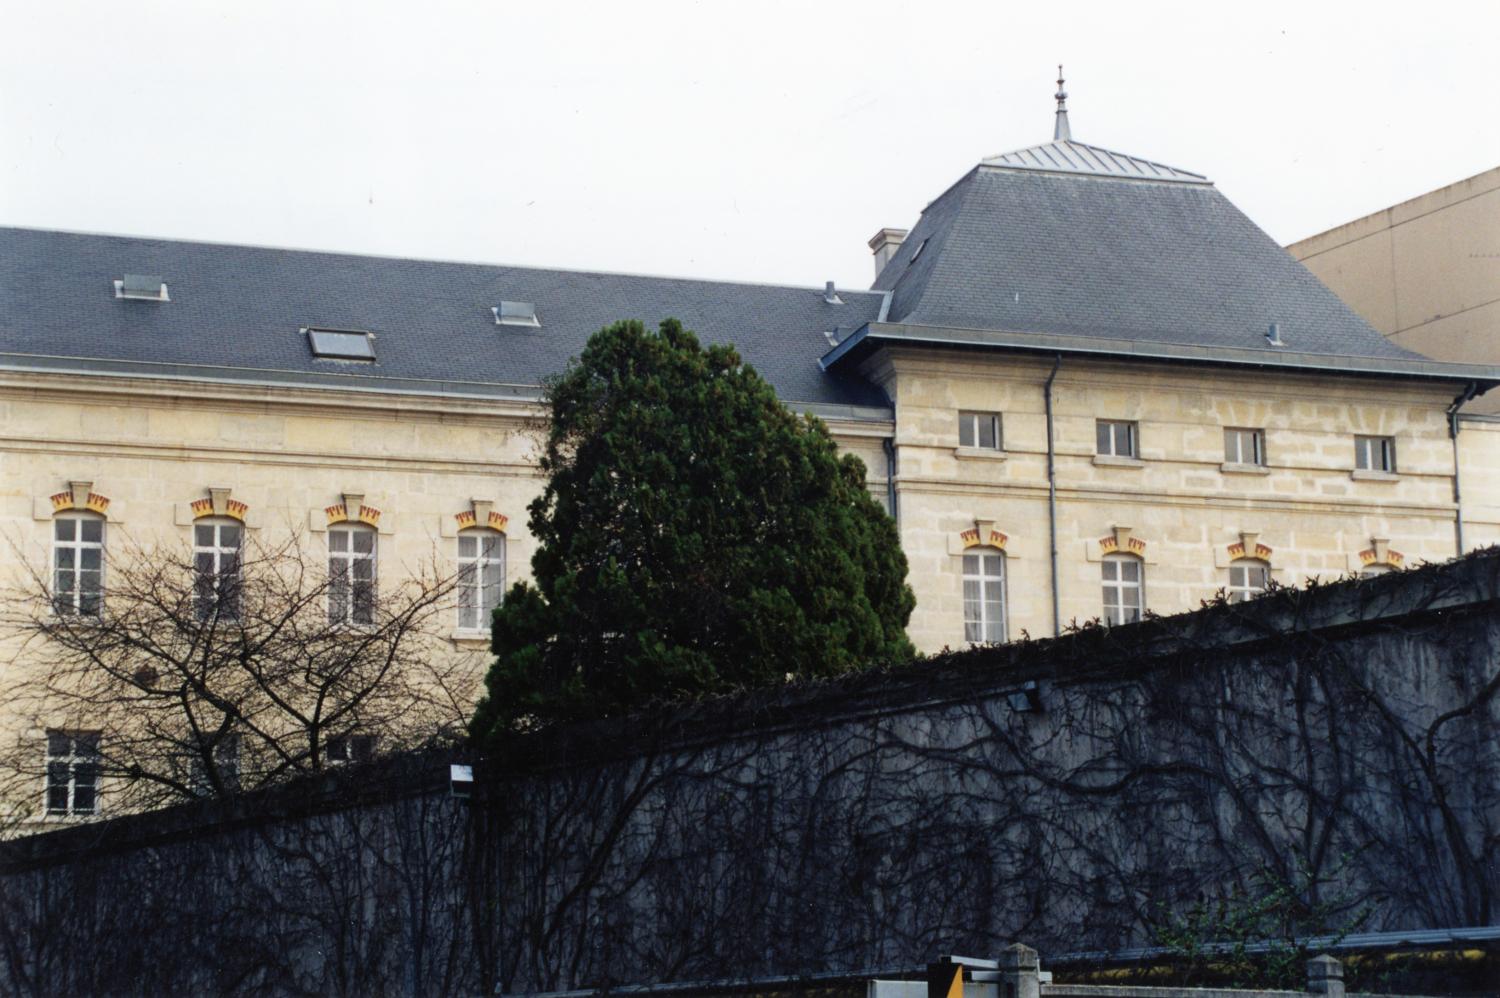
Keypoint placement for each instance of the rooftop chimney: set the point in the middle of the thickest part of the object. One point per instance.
(884, 245)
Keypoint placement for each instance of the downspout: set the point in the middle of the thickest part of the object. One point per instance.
(1464, 396)
(1052, 496)
(889, 443)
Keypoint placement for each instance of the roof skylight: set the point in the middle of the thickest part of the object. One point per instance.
(143, 287)
(516, 313)
(341, 344)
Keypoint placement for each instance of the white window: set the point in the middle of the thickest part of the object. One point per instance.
(481, 576)
(984, 598)
(190, 768)
(980, 429)
(345, 749)
(1375, 453)
(1247, 578)
(1124, 588)
(216, 569)
(78, 564)
(1244, 446)
(1371, 571)
(1115, 438)
(351, 574)
(72, 772)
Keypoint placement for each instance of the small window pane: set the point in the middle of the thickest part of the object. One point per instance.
(92, 531)
(65, 529)
(1103, 439)
(364, 541)
(342, 344)
(338, 540)
(89, 558)
(466, 545)
(229, 535)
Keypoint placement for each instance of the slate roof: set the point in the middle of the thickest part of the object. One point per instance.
(1103, 251)
(236, 311)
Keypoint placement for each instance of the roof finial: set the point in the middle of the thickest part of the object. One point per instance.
(1060, 131)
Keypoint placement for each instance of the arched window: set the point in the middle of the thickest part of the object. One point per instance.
(351, 574)
(481, 576)
(984, 597)
(1124, 588)
(1248, 577)
(216, 568)
(78, 564)
(1378, 568)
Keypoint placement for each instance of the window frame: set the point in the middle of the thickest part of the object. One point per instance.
(220, 579)
(1364, 451)
(341, 565)
(77, 546)
(477, 563)
(1243, 592)
(71, 761)
(1238, 434)
(985, 582)
(970, 421)
(1119, 612)
(328, 343)
(357, 747)
(1111, 427)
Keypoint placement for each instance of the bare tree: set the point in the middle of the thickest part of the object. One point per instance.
(194, 679)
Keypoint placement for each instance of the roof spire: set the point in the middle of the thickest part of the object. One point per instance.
(1060, 131)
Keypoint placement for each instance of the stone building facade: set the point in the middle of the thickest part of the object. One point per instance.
(1084, 383)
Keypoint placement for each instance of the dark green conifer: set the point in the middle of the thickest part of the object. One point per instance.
(694, 536)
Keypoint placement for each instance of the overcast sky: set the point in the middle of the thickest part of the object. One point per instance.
(760, 141)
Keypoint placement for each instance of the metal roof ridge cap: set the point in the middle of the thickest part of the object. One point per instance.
(1158, 349)
(1187, 179)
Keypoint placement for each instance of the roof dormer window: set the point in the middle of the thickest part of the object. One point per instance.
(341, 344)
(516, 313)
(142, 287)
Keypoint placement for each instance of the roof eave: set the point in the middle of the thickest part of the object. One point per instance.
(872, 335)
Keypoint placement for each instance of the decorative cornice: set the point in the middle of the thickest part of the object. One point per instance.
(1121, 541)
(80, 496)
(218, 503)
(352, 510)
(1379, 553)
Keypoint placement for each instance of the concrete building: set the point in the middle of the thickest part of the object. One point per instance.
(1425, 272)
(1086, 385)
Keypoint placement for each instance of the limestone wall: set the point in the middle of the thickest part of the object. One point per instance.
(1183, 506)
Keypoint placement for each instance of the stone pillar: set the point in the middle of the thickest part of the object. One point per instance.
(1325, 976)
(1020, 974)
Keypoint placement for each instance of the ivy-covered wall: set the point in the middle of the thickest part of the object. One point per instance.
(1340, 742)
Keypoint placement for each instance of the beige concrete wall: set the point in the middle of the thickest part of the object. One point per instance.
(1425, 272)
(1308, 507)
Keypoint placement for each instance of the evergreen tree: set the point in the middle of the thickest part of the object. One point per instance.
(694, 536)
